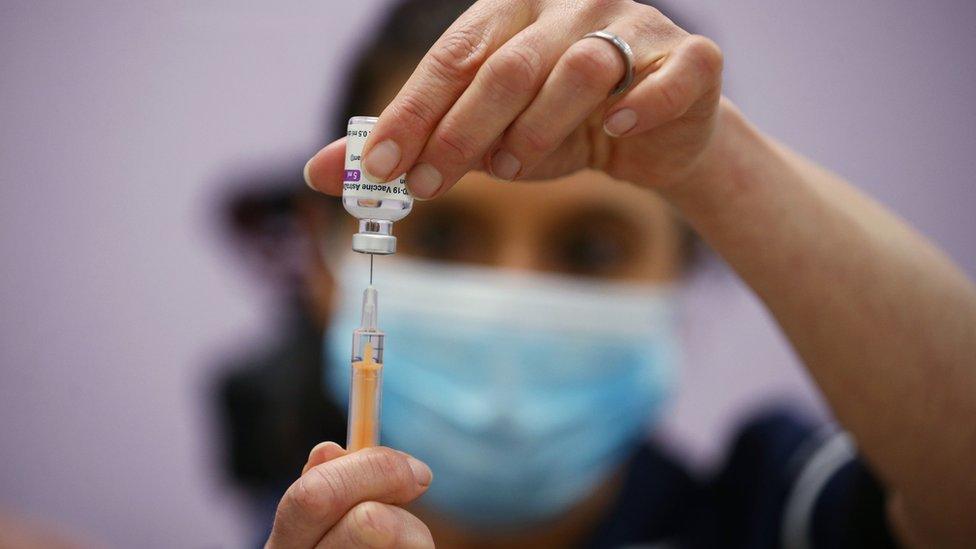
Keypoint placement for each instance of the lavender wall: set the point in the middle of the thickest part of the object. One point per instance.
(117, 119)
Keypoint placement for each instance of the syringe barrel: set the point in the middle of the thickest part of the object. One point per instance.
(365, 390)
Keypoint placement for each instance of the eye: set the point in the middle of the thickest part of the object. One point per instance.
(445, 233)
(598, 243)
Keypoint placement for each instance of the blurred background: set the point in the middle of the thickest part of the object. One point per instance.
(126, 128)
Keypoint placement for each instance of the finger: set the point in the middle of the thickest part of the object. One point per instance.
(321, 453)
(502, 88)
(692, 70)
(580, 82)
(442, 75)
(320, 497)
(323, 172)
(578, 86)
(373, 524)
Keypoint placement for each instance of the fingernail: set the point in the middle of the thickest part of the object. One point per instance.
(316, 448)
(380, 161)
(620, 122)
(424, 180)
(421, 473)
(305, 174)
(504, 165)
(323, 445)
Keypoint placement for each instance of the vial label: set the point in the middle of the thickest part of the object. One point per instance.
(354, 182)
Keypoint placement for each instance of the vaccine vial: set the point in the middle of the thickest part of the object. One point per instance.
(376, 205)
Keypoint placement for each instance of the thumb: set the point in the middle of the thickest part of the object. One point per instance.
(325, 170)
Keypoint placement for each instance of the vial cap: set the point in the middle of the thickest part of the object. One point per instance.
(373, 243)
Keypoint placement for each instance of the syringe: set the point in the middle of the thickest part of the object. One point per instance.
(365, 389)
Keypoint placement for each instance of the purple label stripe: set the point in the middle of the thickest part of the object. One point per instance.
(351, 175)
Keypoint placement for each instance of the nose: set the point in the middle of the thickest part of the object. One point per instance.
(519, 253)
(518, 247)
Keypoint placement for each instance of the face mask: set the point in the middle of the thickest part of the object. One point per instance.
(522, 392)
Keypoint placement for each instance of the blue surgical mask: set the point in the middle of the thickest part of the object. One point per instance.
(523, 393)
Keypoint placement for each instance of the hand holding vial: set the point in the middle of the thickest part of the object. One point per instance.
(523, 90)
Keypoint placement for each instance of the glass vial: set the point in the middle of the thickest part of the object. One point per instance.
(376, 205)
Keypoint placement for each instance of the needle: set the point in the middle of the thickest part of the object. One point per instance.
(370, 269)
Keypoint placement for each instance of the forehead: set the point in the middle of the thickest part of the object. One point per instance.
(543, 200)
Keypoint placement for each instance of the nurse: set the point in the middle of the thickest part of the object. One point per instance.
(883, 321)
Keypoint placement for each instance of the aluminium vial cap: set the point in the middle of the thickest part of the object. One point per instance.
(375, 236)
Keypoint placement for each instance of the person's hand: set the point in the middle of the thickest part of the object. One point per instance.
(512, 88)
(351, 500)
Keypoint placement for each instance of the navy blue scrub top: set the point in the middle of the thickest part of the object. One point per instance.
(785, 483)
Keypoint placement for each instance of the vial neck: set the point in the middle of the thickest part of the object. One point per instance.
(376, 226)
